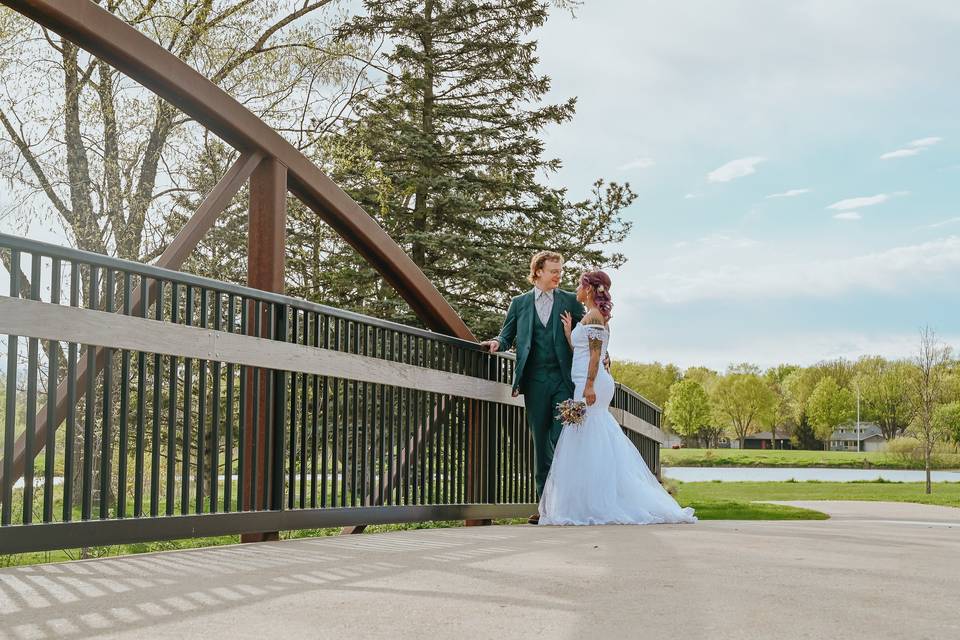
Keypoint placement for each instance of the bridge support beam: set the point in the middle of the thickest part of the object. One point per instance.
(265, 271)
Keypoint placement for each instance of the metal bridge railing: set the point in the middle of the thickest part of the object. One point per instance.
(146, 404)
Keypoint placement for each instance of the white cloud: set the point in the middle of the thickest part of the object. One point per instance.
(689, 196)
(925, 142)
(639, 163)
(888, 270)
(943, 223)
(913, 148)
(735, 169)
(856, 203)
(900, 153)
(789, 194)
(848, 215)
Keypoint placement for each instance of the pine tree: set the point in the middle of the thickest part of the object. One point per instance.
(448, 156)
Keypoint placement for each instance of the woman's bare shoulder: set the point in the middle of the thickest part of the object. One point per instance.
(594, 317)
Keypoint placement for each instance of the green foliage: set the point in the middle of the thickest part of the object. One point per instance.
(779, 420)
(652, 381)
(829, 407)
(688, 408)
(707, 378)
(742, 402)
(946, 421)
(447, 156)
(886, 393)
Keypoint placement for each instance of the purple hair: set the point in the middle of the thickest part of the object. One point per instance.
(599, 282)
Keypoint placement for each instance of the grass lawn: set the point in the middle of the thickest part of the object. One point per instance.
(734, 510)
(693, 493)
(793, 458)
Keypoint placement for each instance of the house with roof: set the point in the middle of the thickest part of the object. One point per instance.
(763, 440)
(846, 438)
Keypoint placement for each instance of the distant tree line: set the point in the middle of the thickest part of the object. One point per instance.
(917, 397)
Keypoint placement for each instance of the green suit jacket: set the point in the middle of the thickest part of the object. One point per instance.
(518, 330)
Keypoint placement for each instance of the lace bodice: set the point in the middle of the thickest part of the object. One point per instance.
(580, 336)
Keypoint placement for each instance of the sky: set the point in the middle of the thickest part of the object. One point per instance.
(797, 167)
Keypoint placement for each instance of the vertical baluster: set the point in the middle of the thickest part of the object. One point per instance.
(322, 448)
(53, 373)
(201, 438)
(319, 414)
(10, 412)
(407, 442)
(215, 418)
(303, 418)
(33, 356)
(278, 402)
(138, 462)
(172, 407)
(294, 388)
(364, 419)
(415, 449)
(87, 485)
(255, 439)
(228, 425)
(71, 382)
(106, 427)
(124, 409)
(390, 484)
(383, 454)
(347, 487)
(155, 440)
(185, 434)
(241, 414)
(335, 423)
(354, 417)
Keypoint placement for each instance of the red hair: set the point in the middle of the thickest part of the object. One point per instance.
(599, 282)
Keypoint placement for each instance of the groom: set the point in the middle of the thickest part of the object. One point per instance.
(544, 357)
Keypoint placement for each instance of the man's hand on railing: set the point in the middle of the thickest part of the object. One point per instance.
(491, 345)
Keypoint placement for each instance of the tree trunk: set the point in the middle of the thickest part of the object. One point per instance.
(420, 225)
(927, 451)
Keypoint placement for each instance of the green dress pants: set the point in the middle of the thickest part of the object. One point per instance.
(542, 392)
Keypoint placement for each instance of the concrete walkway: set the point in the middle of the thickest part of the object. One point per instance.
(870, 572)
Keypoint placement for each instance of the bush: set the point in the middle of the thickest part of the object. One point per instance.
(909, 451)
(906, 450)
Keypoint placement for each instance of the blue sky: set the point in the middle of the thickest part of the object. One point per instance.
(710, 109)
(798, 171)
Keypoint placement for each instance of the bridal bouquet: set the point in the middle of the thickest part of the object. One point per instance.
(571, 412)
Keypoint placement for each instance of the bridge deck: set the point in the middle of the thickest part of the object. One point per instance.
(875, 570)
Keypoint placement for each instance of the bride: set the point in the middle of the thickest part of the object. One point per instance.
(597, 475)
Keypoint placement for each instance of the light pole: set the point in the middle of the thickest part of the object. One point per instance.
(857, 384)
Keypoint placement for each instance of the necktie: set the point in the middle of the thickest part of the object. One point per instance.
(544, 307)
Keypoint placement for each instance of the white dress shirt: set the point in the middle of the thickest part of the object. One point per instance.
(544, 304)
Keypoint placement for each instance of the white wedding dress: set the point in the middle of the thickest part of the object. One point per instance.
(597, 475)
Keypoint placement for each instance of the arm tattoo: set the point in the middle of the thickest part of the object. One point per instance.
(596, 346)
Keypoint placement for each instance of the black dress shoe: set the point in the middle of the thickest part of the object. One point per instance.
(534, 519)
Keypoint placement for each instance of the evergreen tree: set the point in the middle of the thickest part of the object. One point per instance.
(448, 157)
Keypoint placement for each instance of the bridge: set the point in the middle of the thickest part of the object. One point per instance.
(161, 405)
(158, 405)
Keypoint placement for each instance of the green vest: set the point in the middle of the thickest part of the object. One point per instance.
(543, 346)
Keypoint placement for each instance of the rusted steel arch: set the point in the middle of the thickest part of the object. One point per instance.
(129, 51)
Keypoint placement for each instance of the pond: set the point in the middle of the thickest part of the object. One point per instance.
(780, 474)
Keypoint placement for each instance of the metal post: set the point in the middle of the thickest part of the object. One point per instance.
(859, 446)
(265, 271)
